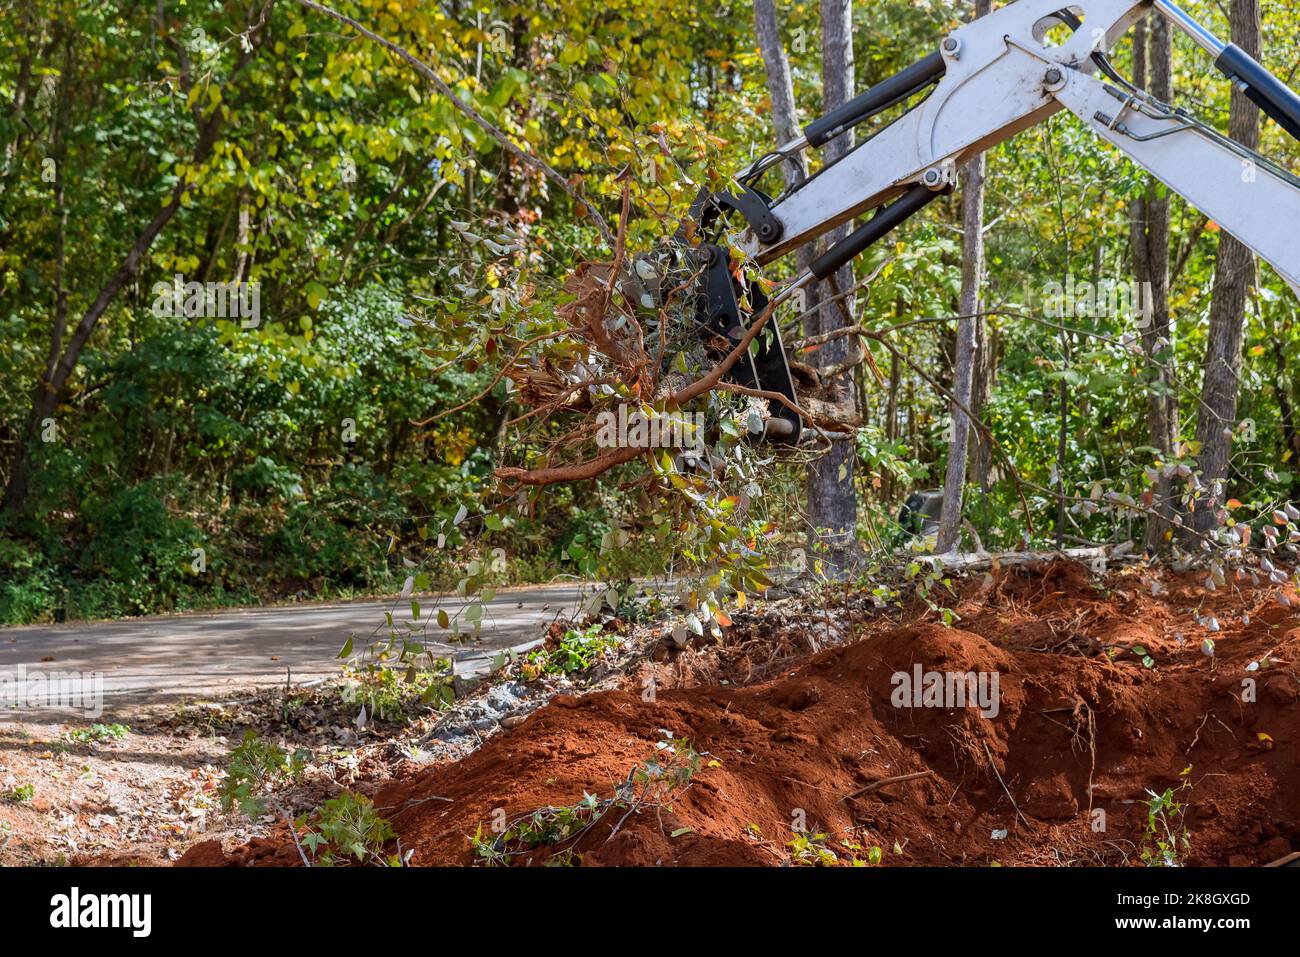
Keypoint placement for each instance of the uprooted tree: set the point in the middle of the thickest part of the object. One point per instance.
(619, 347)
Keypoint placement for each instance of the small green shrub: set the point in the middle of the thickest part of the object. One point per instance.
(21, 793)
(576, 651)
(1166, 837)
(256, 764)
(99, 733)
(138, 554)
(29, 590)
(345, 829)
(391, 694)
(811, 849)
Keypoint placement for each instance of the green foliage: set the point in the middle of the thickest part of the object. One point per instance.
(345, 174)
(396, 694)
(545, 827)
(809, 848)
(20, 794)
(577, 650)
(882, 456)
(255, 765)
(29, 589)
(1166, 837)
(138, 553)
(99, 734)
(814, 849)
(347, 829)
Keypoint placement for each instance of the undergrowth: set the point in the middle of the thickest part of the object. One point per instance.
(1166, 839)
(576, 651)
(344, 830)
(256, 765)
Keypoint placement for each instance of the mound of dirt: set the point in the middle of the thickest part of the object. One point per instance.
(1053, 764)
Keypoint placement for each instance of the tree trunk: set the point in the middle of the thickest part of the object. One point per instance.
(1234, 273)
(785, 121)
(779, 86)
(972, 267)
(891, 421)
(1149, 240)
(832, 495)
(986, 372)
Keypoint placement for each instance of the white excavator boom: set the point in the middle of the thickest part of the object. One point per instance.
(1001, 74)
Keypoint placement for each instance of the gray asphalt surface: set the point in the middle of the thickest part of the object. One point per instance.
(208, 655)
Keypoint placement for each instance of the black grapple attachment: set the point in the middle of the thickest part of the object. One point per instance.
(719, 311)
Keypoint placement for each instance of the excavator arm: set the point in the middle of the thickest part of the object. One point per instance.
(987, 81)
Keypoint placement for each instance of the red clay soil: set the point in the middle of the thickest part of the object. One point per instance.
(1078, 730)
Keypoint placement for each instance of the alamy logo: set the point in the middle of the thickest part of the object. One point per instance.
(58, 690)
(74, 910)
(209, 300)
(632, 428)
(946, 689)
(1106, 297)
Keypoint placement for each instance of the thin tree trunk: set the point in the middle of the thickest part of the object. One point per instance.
(832, 494)
(972, 267)
(1234, 274)
(891, 420)
(1062, 438)
(779, 86)
(1149, 239)
(785, 122)
(243, 242)
(986, 372)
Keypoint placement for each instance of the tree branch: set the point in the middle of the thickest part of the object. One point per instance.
(570, 473)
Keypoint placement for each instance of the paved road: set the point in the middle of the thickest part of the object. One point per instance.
(208, 655)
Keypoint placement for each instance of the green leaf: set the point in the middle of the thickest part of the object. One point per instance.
(315, 293)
